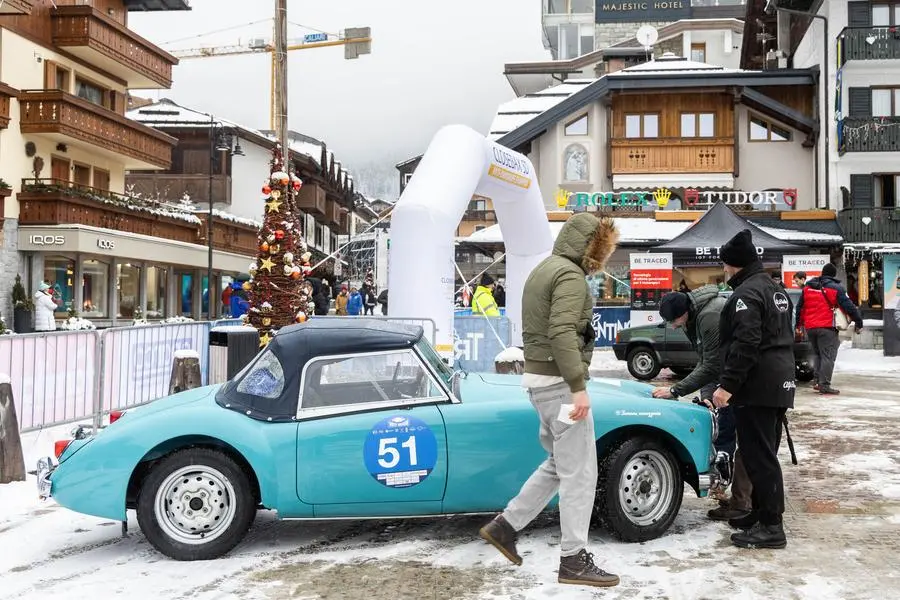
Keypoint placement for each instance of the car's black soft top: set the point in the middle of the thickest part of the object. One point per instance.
(296, 345)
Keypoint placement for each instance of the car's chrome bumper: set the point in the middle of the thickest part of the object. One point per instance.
(719, 475)
(45, 467)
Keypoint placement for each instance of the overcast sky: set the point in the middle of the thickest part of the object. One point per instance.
(432, 64)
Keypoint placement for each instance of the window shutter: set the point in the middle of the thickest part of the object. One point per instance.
(858, 14)
(862, 190)
(860, 99)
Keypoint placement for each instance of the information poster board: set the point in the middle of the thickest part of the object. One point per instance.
(651, 279)
(811, 264)
(891, 266)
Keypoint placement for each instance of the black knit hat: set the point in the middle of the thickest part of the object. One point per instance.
(829, 270)
(674, 305)
(739, 251)
(486, 280)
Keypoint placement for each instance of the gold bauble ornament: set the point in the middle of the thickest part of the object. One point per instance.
(276, 194)
(266, 321)
(247, 286)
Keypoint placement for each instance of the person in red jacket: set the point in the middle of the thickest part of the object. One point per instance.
(815, 313)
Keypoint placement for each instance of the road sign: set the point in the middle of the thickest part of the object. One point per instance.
(309, 38)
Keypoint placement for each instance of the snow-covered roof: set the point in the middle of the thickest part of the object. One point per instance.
(638, 230)
(515, 113)
(669, 64)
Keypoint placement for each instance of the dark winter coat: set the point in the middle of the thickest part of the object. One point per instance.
(557, 306)
(819, 298)
(757, 342)
(383, 300)
(702, 329)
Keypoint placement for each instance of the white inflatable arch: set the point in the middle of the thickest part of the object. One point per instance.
(458, 164)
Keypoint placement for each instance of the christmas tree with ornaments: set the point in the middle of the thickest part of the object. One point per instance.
(276, 291)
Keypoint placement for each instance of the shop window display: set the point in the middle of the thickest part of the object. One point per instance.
(94, 278)
(610, 288)
(59, 274)
(156, 292)
(128, 290)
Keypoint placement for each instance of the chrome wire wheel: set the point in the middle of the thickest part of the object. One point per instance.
(195, 504)
(647, 487)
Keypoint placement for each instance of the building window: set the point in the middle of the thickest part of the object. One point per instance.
(94, 279)
(570, 40)
(576, 163)
(101, 179)
(885, 14)
(477, 205)
(62, 79)
(187, 294)
(156, 292)
(887, 191)
(479, 227)
(698, 125)
(406, 178)
(89, 91)
(885, 102)
(578, 127)
(81, 175)
(565, 7)
(59, 274)
(320, 242)
(642, 126)
(128, 289)
(698, 53)
(762, 130)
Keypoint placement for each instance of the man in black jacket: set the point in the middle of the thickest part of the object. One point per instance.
(757, 380)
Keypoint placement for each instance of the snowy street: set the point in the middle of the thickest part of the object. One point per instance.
(843, 524)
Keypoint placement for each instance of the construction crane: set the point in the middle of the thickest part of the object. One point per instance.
(356, 41)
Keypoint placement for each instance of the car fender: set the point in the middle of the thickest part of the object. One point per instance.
(95, 480)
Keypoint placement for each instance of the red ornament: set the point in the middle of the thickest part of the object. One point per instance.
(266, 190)
(297, 186)
(279, 234)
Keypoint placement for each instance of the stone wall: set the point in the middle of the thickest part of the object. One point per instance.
(10, 264)
(674, 45)
(608, 34)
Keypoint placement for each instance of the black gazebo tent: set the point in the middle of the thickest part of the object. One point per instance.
(700, 243)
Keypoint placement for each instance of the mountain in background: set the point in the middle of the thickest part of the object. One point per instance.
(376, 180)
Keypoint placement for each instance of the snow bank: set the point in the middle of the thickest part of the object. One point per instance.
(186, 354)
(873, 323)
(605, 360)
(4, 378)
(511, 354)
(864, 362)
(232, 328)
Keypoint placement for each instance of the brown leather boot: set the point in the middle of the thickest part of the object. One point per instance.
(581, 570)
(502, 536)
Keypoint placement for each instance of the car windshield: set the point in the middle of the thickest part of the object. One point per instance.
(436, 362)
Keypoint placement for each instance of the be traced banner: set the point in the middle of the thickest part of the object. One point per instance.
(811, 264)
(651, 278)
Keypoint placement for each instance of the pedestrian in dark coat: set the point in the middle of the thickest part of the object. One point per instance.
(757, 380)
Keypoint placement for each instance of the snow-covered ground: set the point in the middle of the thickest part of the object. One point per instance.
(843, 522)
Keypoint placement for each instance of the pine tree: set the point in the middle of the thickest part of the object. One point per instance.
(276, 290)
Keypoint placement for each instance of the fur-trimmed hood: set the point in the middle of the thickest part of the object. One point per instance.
(587, 241)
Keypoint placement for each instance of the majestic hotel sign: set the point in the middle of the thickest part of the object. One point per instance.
(641, 11)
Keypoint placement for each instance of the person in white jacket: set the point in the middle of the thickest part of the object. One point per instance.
(44, 307)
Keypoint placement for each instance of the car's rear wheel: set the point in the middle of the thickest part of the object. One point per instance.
(643, 364)
(195, 504)
(639, 490)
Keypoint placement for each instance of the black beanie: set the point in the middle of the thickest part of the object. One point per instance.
(739, 251)
(486, 280)
(829, 270)
(674, 305)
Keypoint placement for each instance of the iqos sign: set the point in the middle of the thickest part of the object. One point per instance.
(106, 244)
(47, 240)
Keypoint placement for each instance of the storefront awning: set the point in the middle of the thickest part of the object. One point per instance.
(651, 181)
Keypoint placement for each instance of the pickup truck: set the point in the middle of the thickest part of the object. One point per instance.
(650, 348)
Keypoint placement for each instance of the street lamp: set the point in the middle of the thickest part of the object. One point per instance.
(220, 139)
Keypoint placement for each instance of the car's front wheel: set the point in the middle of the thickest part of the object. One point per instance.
(639, 489)
(195, 504)
(642, 363)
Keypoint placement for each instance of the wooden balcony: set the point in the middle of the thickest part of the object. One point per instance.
(333, 213)
(870, 43)
(673, 155)
(311, 199)
(173, 186)
(67, 119)
(883, 227)
(230, 236)
(55, 202)
(869, 134)
(16, 7)
(92, 36)
(6, 95)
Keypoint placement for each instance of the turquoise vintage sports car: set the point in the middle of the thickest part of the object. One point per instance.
(358, 418)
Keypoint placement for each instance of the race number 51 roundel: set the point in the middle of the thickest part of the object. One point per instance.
(400, 451)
